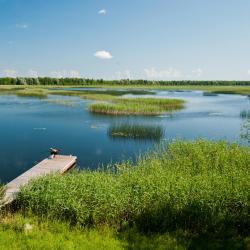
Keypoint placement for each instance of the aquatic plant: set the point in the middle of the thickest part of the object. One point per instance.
(137, 106)
(245, 130)
(135, 131)
(2, 191)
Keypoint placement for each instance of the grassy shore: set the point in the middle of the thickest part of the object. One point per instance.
(17, 89)
(137, 106)
(186, 195)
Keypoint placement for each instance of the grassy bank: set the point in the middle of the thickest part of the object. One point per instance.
(198, 188)
(137, 106)
(140, 89)
(29, 232)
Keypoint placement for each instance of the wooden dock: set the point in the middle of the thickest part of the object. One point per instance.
(60, 164)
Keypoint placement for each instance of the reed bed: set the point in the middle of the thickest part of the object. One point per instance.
(198, 186)
(2, 191)
(24, 92)
(135, 131)
(137, 106)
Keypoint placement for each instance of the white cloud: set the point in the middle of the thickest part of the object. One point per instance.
(153, 73)
(65, 73)
(22, 25)
(197, 73)
(102, 12)
(10, 73)
(248, 72)
(75, 74)
(102, 54)
(126, 74)
(33, 73)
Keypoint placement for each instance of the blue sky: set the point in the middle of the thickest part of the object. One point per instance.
(112, 39)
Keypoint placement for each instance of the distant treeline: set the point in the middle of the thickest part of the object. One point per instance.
(82, 81)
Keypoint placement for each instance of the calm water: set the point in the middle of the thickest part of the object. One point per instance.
(30, 126)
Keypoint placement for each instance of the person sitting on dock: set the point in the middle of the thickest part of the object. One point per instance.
(53, 152)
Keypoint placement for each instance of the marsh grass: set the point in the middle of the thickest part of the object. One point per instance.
(89, 96)
(137, 106)
(245, 130)
(135, 131)
(197, 186)
(25, 92)
(2, 192)
(242, 90)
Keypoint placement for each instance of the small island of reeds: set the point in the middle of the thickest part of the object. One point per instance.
(137, 106)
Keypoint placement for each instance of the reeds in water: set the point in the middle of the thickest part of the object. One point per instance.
(137, 106)
(136, 131)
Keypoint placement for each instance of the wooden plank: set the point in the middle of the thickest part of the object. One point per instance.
(60, 164)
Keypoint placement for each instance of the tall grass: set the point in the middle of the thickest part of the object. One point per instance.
(198, 186)
(2, 191)
(137, 106)
(135, 131)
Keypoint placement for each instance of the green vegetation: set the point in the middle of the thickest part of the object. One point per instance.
(110, 90)
(30, 232)
(193, 185)
(19, 232)
(124, 82)
(135, 131)
(24, 92)
(2, 189)
(43, 92)
(186, 195)
(191, 189)
(137, 106)
(245, 130)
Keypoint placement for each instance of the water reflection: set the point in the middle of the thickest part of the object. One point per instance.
(245, 114)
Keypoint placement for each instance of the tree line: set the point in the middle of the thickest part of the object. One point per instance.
(84, 81)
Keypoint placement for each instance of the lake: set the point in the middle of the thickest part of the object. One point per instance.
(30, 126)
